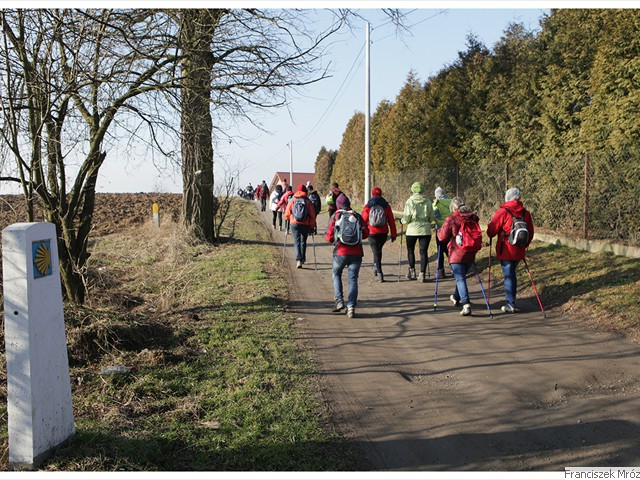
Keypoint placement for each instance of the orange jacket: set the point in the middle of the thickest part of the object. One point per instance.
(311, 216)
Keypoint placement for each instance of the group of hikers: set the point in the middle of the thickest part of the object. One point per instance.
(456, 227)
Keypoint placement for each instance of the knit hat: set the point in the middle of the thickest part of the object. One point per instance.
(417, 187)
(512, 194)
(302, 188)
(342, 202)
(377, 192)
(439, 193)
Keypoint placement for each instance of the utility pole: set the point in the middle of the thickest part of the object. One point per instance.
(367, 119)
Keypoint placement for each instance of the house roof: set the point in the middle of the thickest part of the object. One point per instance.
(297, 179)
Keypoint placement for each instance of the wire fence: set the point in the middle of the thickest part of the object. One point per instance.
(594, 196)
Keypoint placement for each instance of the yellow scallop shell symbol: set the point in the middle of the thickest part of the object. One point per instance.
(43, 259)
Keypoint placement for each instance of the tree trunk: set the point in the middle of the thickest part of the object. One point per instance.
(196, 34)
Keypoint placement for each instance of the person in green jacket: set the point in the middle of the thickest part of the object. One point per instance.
(418, 216)
(441, 209)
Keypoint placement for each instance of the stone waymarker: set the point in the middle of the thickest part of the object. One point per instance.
(156, 215)
(38, 387)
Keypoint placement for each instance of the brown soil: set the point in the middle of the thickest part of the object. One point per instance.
(113, 211)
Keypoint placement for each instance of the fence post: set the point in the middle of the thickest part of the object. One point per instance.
(457, 178)
(586, 197)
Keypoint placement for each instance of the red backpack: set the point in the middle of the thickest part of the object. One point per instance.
(469, 237)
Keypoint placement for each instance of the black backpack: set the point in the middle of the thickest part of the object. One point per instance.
(314, 198)
(519, 234)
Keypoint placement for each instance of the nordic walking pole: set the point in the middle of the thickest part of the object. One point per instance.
(489, 289)
(428, 269)
(534, 288)
(400, 252)
(481, 288)
(435, 298)
(315, 262)
(284, 247)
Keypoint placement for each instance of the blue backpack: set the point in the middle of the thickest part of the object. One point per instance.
(300, 210)
(348, 228)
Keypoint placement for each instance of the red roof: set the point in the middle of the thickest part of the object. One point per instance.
(298, 178)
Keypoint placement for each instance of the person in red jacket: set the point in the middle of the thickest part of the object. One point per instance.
(345, 256)
(378, 231)
(302, 219)
(460, 261)
(282, 205)
(509, 255)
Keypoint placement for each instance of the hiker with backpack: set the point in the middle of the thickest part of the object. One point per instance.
(441, 210)
(314, 198)
(418, 215)
(264, 194)
(513, 226)
(284, 203)
(463, 237)
(346, 231)
(302, 218)
(378, 215)
(331, 199)
(274, 199)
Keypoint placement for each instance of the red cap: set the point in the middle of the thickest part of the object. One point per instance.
(302, 188)
(377, 192)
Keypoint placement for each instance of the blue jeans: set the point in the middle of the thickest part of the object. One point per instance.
(352, 263)
(300, 234)
(510, 280)
(460, 274)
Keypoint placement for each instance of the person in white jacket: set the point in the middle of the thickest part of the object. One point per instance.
(273, 206)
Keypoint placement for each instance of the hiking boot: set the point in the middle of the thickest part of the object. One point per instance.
(375, 271)
(298, 264)
(441, 273)
(466, 310)
(508, 308)
(411, 274)
(339, 305)
(422, 278)
(380, 277)
(351, 312)
(456, 303)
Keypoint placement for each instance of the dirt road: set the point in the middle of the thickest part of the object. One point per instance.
(431, 390)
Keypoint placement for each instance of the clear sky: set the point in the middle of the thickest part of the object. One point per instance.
(320, 115)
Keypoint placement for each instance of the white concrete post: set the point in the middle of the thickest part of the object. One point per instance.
(156, 215)
(40, 413)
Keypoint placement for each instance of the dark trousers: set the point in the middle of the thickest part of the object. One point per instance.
(442, 251)
(376, 242)
(424, 255)
(300, 234)
(277, 214)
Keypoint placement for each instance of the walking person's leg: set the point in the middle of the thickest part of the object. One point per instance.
(297, 243)
(338, 265)
(280, 219)
(354, 263)
(275, 215)
(424, 256)
(510, 284)
(382, 239)
(411, 256)
(461, 293)
(304, 234)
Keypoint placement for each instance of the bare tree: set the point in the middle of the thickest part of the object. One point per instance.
(66, 75)
(236, 62)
